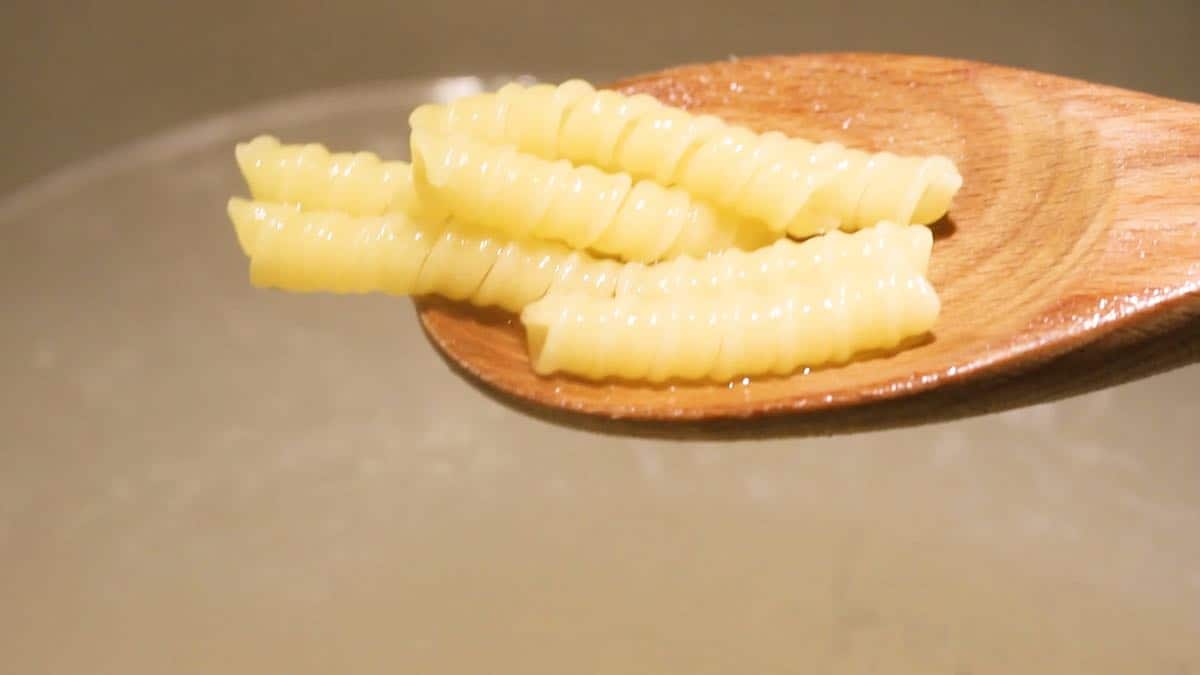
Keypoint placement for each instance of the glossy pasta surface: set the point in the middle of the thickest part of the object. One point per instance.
(636, 240)
(785, 263)
(333, 252)
(523, 196)
(792, 185)
(722, 336)
(330, 251)
(312, 177)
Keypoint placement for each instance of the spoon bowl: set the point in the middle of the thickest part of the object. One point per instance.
(1077, 228)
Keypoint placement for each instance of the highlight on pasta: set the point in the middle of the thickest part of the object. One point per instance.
(523, 196)
(718, 337)
(634, 240)
(333, 252)
(785, 263)
(791, 184)
(312, 177)
(330, 251)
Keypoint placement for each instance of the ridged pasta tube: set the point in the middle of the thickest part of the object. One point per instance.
(791, 184)
(722, 336)
(356, 183)
(360, 184)
(330, 251)
(785, 263)
(523, 196)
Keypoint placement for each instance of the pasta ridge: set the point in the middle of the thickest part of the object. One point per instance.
(885, 246)
(767, 269)
(526, 196)
(356, 183)
(736, 334)
(309, 251)
(792, 185)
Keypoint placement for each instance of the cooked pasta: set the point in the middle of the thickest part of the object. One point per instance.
(329, 251)
(792, 185)
(721, 336)
(357, 183)
(333, 252)
(528, 117)
(521, 199)
(523, 196)
(785, 263)
(361, 184)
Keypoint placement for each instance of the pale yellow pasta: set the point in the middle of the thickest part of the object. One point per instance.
(333, 252)
(523, 196)
(329, 251)
(722, 336)
(528, 117)
(791, 184)
(885, 246)
(356, 183)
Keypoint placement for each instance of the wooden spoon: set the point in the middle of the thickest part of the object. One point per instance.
(1078, 227)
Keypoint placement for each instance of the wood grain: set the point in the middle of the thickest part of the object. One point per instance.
(1077, 232)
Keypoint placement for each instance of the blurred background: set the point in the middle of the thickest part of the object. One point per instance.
(199, 478)
(81, 75)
